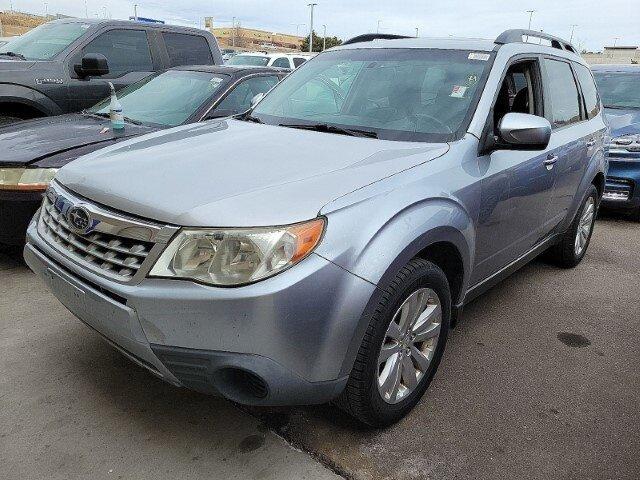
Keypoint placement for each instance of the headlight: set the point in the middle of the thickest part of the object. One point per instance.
(236, 256)
(26, 179)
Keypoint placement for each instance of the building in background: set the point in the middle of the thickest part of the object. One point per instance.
(14, 23)
(252, 39)
(616, 54)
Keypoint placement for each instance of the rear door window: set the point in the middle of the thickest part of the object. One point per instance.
(282, 62)
(186, 49)
(126, 51)
(589, 91)
(239, 99)
(563, 93)
(297, 61)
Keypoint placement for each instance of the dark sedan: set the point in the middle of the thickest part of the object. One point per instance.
(619, 86)
(33, 150)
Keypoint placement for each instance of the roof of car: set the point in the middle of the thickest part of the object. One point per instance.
(277, 54)
(231, 69)
(128, 23)
(448, 43)
(616, 68)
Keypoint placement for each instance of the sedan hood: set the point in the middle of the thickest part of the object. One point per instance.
(623, 121)
(32, 141)
(236, 173)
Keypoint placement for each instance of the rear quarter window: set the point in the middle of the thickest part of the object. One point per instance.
(589, 91)
(186, 49)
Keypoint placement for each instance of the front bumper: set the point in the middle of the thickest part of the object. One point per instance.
(282, 341)
(622, 188)
(16, 210)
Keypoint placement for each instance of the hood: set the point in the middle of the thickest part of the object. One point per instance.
(235, 173)
(31, 141)
(9, 65)
(623, 121)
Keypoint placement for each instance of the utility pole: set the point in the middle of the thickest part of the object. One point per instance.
(135, 12)
(378, 27)
(573, 29)
(233, 32)
(324, 38)
(311, 5)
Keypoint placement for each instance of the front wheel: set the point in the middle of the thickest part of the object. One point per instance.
(573, 246)
(402, 346)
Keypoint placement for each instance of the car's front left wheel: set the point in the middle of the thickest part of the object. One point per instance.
(402, 346)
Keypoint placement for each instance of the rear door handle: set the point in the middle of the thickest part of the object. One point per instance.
(591, 143)
(550, 161)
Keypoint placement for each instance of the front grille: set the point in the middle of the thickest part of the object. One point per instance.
(618, 189)
(118, 256)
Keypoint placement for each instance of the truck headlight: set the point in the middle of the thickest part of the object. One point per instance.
(237, 256)
(26, 179)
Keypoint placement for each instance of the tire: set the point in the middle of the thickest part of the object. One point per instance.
(6, 120)
(566, 254)
(363, 397)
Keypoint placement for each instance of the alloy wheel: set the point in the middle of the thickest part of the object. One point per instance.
(584, 226)
(409, 345)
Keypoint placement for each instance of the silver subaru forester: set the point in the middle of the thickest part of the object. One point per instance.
(320, 246)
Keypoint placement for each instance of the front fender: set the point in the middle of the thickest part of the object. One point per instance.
(12, 93)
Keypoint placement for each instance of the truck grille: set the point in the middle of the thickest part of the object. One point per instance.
(115, 255)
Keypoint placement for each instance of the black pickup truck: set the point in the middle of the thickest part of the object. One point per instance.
(63, 66)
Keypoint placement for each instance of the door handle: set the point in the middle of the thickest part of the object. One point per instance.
(550, 161)
(591, 143)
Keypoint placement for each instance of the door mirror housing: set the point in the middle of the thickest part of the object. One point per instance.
(92, 65)
(256, 99)
(522, 131)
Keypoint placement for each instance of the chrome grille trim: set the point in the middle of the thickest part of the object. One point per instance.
(114, 245)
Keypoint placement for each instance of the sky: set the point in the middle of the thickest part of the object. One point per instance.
(598, 22)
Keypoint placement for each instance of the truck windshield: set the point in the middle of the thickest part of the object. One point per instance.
(619, 90)
(392, 94)
(168, 99)
(44, 42)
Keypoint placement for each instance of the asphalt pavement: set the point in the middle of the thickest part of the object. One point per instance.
(541, 380)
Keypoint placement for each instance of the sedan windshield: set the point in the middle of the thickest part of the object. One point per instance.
(168, 99)
(253, 60)
(393, 94)
(619, 90)
(44, 42)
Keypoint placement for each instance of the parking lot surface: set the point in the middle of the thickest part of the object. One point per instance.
(541, 380)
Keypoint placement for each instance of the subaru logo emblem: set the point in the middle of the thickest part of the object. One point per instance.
(79, 219)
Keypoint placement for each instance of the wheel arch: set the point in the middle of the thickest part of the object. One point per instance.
(18, 96)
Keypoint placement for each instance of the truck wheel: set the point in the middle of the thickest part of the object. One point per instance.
(575, 241)
(402, 346)
(6, 120)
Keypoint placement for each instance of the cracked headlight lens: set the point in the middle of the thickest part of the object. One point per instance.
(237, 256)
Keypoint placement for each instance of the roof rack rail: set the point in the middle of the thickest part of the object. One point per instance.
(367, 37)
(516, 36)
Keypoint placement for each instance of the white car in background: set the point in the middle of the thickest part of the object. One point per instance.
(274, 59)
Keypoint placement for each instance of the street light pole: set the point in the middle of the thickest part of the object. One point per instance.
(311, 5)
(135, 12)
(417, 32)
(86, 10)
(573, 29)
(378, 27)
(324, 38)
(615, 41)
(530, 12)
(233, 32)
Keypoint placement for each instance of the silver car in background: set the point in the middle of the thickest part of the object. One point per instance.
(321, 246)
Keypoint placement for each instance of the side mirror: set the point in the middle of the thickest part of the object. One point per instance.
(522, 131)
(93, 65)
(256, 99)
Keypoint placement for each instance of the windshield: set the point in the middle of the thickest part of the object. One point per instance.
(248, 60)
(399, 94)
(619, 90)
(168, 99)
(46, 41)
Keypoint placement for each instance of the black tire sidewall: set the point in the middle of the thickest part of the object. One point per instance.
(426, 275)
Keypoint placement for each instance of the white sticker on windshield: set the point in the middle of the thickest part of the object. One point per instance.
(458, 91)
(479, 56)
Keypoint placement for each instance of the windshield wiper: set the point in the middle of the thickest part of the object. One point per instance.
(131, 120)
(622, 107)
(247, 117)
(324, 127)
(14, 55)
